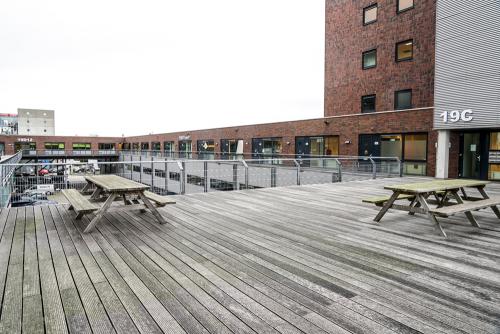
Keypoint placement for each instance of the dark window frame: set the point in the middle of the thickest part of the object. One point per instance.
(375, 104)
(403, 10)
(363, 59)
(396, 100)
(375, 5)
(412, 49)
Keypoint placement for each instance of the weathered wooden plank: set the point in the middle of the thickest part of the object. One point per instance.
(55, 321)
(32, 300)
(74, 311)
(8, 221)
(12, 310)
(94, 309)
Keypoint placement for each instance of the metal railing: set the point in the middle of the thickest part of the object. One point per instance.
(36, 183)
(76, 152)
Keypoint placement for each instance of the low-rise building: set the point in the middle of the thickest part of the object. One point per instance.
(36, 122)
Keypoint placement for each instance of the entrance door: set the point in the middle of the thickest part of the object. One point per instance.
(473, 155)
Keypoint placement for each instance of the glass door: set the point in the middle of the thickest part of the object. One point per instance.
(473, 155)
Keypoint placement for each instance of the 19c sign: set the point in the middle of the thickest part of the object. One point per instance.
(457, 115)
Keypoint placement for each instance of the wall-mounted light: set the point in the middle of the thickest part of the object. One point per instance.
(326, 121)
(288, 143)
(347, 142)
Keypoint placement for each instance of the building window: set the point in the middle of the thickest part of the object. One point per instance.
(370, 14)
(54, 146)
(402, 99)
(391, 146)
(106, 146)
(368, 103)
(404, 50)
(156, 146)
(369, 59)
(415, 154)
(404, 5)
(144, 146)
(415, 147)
(81, 146)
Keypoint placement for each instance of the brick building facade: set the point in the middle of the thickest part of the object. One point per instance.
(372, 49)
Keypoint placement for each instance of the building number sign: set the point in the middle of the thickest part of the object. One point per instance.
(457, 115)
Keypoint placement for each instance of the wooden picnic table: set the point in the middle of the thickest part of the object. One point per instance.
(109, 187)
(442, 191)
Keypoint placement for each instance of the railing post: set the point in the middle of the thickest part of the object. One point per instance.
(298, 171)
(273, 177)
(131, 167)
(140, 168)
(205, 176)
(182, 178)
(152, 175)
(339, 164)
(235, 177)
(166, 177)
(244, 163)
(400, 167)
(374, 168)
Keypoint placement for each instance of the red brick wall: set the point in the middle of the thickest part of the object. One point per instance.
(67, 140)
(347, 128)
(347, 38)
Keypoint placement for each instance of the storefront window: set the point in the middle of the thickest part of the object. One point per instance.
(81, 146)
(415, 154)
(206, 149)
(54, 146)
(106, 146)
(391, 146)
(416, 147)
(495, 141)
(156, 146)
(494, 155)
(264, 148)
(185, 149)
(21, 146)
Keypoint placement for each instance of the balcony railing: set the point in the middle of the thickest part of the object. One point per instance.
(164, 176)
(56, 153)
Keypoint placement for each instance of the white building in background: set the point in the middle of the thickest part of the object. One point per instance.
(36, 122)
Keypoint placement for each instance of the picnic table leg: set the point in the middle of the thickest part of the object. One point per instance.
(443, 200)
(485, 196)
(421, 199)
(100, 213)
(386, 206)
(86, 188)
(151, 207)
(96, 193)
(469, 215)
(413, 204)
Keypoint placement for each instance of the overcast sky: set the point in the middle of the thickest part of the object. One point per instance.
(113, 67)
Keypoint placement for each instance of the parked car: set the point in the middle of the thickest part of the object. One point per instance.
(45, 189)
(43, 172)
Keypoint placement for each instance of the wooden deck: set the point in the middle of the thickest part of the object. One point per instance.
(283, 260)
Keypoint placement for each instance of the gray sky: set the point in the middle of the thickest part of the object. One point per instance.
(112, 67)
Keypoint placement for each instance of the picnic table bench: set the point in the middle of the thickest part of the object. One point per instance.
(79, 203)
(443, 191)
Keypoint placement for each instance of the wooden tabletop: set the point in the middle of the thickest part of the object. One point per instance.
(115, 183)
(437, 185)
